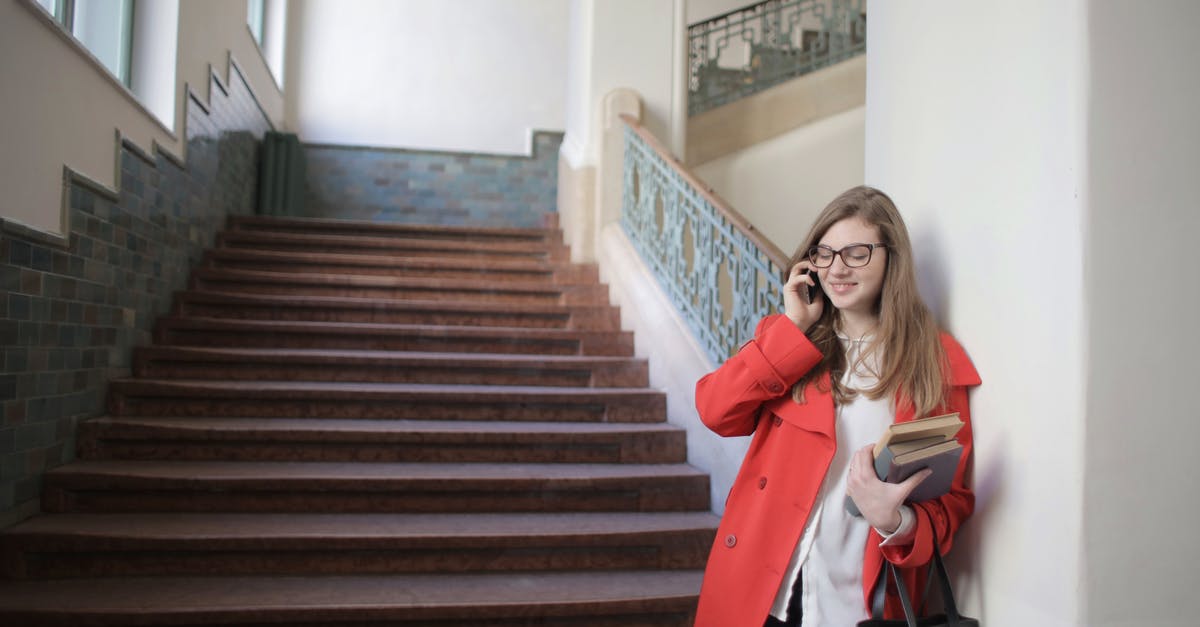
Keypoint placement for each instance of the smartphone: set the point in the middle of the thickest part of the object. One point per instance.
(811, 293)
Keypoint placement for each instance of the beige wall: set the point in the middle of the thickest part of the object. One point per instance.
(62, 109)
(983, 146)
(780, 185)
(1139, 544)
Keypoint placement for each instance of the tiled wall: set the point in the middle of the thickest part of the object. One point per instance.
(71, 315)
(424, 187)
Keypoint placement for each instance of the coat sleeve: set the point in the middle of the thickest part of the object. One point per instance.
(947, 512)
(728, 399)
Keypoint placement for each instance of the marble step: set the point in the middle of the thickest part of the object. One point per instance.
(650, 598)
(449, 266)
(400, 245)
(254, 306)
(367, 366)
(396, 288)
(95, 545)
(194, 331)
(305, 487)
(319, 399)
(348, 440)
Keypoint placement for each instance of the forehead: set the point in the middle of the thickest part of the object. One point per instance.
(850, 231)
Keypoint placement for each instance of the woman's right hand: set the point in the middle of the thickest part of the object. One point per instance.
(802, 313)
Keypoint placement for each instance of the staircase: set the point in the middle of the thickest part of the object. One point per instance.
(345, 423)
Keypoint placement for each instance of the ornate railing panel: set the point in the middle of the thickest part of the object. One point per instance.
(750, 49)
(720, 273)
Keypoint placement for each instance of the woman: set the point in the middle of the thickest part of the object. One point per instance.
(816, 387)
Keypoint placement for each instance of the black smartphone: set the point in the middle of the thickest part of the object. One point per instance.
(813, 290)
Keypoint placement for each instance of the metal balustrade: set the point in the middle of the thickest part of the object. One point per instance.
(755, 47)
(721, 273)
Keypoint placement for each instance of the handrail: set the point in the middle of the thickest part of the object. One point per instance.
(760, 45)
(773, 252)
(719, 271)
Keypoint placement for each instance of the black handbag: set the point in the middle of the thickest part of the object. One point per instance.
(949, 618)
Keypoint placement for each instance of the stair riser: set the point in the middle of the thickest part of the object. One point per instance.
(606, 345)
(650, 409)
(565, 275)
(566, 295)
(664, 448)
(434, 250)
(632, 376)
(680, 550)
(548, 234)
(597, 319)
(657, 495)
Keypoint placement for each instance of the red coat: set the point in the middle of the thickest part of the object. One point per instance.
(778, 483)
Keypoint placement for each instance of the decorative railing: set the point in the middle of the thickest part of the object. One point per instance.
(720, 272)
(755, 47)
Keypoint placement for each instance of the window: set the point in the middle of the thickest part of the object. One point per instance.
(255, 12)
(104, 27)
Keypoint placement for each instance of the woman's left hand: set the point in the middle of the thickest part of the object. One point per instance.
(878, 501)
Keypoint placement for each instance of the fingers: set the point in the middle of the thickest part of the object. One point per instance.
(911, 483)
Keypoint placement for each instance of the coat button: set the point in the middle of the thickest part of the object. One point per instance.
(777, 421)
(730, 540)
(762, 483)
(775, 387)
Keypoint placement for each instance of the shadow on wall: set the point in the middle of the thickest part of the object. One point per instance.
(964, 561)
(430, 187)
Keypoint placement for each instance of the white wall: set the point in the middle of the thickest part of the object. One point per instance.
(780, 185)
(632, 44)
(62, 109)
(700, 10)
(976, 127)
(1140, 545)
(468, 75)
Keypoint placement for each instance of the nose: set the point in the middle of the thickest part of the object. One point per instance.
(838, 267)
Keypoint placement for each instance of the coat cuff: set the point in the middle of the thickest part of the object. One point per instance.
(779, 355)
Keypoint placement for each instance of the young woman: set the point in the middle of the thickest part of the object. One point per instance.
(816, 387)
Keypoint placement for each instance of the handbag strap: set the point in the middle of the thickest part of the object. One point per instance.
(878, 596)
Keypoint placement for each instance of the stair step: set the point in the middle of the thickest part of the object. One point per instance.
(340, 440)
(391, 337)
(366, 286)
(361, 228)
(183, 486)
(90, 545)
(578, 599)
(481, 251)
(321, 399)
(252, 306)
(560, 273)
(282, 364)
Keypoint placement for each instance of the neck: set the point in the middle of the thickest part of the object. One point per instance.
(855, 325)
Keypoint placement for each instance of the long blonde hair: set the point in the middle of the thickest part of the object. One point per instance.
(912, 362)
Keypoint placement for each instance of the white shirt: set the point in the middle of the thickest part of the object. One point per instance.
(829, 555)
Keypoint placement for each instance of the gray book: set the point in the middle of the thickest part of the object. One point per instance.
(899, 461)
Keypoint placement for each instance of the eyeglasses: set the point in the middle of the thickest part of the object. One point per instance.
(854, 255)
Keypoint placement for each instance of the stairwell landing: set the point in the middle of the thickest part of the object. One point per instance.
(349, 423)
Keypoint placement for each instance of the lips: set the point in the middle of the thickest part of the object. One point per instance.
(840, 287)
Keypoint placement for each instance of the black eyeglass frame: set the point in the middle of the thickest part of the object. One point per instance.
(838, 253)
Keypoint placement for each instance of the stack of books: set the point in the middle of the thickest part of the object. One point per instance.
(909, 447)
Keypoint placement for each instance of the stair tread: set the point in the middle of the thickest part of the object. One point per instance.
(395, 261)
(349, 428)
(279, 300)
(254, 529)
(361, 328)
(330, 224)
(371, 280)
(364, 390)
(361, 475)
(345, 356)
(214, 595)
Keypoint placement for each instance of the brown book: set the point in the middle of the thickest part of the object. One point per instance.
(943, 427)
